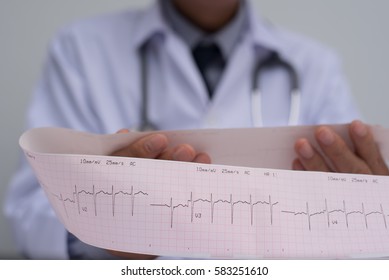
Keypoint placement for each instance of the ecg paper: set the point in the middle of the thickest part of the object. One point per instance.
(245, 205)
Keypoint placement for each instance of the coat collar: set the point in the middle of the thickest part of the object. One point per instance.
(150, 23)
(264, 35)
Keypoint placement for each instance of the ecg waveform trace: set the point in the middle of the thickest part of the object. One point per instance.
(76, 198)
(191, 202)
(343, 210)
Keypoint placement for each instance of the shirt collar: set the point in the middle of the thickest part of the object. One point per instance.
(226, 38)
(152, 22)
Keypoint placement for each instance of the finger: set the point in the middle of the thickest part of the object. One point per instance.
(367, 148)
(341, 156)
(149, 146)
(202, 158)
(309, 158)
(123, 130)
(297, 165)
(183, 152)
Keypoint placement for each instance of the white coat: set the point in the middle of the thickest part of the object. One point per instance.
(91, 82)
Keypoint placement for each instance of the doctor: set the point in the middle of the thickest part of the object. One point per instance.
(181, 64)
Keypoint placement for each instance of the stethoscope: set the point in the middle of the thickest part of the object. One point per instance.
(270, 62)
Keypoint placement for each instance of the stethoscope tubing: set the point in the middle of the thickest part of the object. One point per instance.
(272, 61)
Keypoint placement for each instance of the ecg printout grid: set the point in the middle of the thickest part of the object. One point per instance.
(186, 209)
(223, 211)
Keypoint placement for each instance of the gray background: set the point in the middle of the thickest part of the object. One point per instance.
(357, 30)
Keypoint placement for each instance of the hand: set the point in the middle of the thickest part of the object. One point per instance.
(156, 146)
(366, 159)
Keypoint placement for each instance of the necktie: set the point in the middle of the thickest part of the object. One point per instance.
(210, 62)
